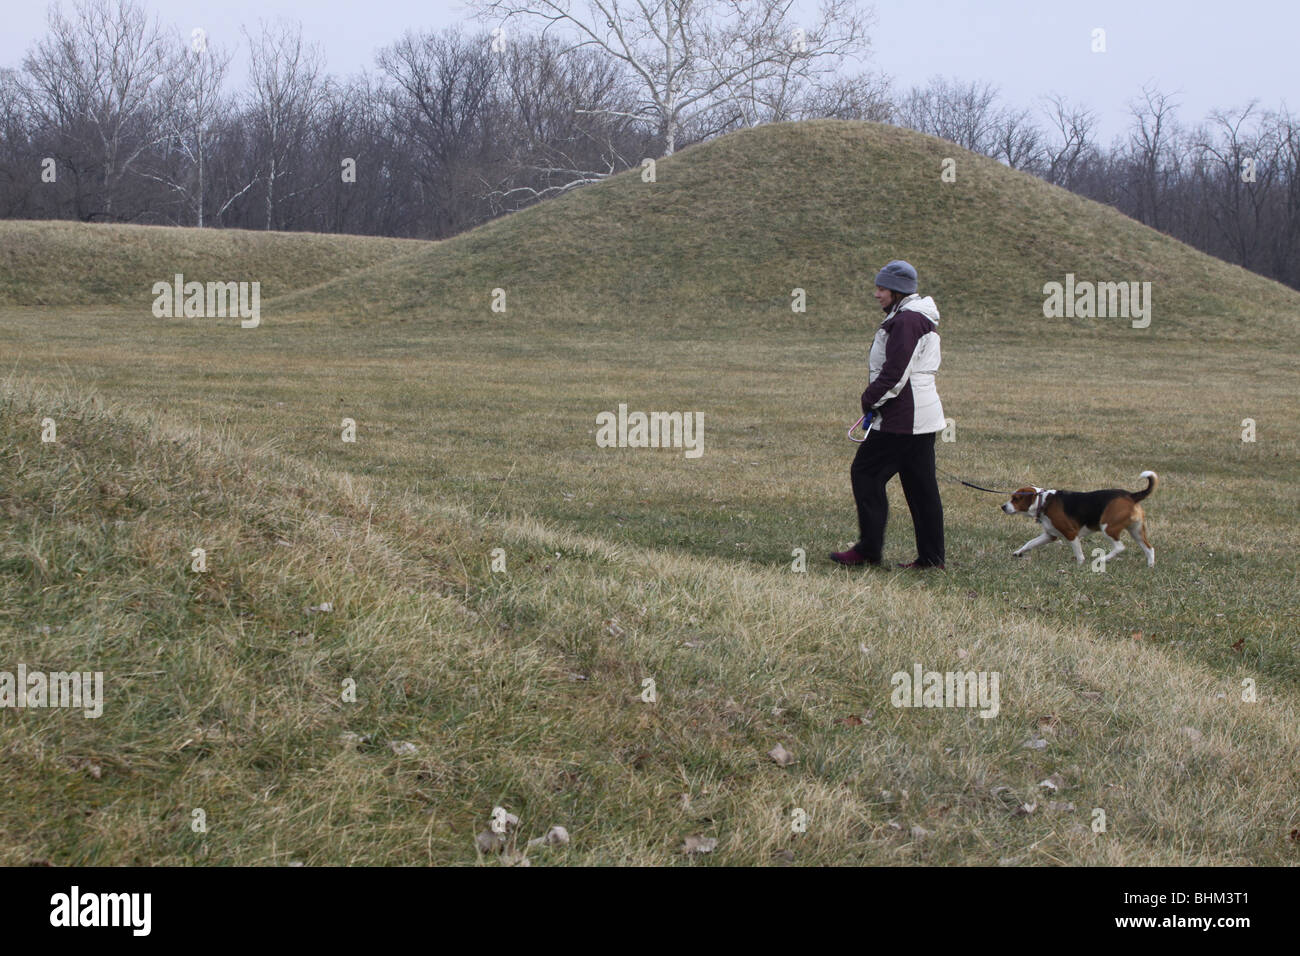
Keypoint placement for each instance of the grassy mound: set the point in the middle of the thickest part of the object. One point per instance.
(730, 227)
(72, 263)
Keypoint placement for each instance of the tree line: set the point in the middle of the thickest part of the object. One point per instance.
(113, 117)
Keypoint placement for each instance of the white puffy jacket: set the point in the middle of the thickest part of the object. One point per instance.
(904, 359)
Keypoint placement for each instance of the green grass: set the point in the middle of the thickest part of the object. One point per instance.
(476, 431)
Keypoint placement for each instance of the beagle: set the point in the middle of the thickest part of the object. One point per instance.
(1072, 514)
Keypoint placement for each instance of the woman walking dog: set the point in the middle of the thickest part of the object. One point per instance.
(907, 415)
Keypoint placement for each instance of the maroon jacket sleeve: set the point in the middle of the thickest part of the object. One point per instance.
(904, 330)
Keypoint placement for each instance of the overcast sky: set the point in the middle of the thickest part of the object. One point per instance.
(1214, 54)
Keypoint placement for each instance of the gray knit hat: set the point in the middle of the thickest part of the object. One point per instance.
(899, 276)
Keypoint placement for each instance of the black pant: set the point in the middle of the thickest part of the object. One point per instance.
(911, 457)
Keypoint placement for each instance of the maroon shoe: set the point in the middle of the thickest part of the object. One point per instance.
(918, 566)
(852, 557)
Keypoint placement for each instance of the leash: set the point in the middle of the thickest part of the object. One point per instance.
(865, 423)
(968, 484)
(1040, 498)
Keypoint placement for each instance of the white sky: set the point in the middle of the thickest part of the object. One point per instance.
(1217, 55)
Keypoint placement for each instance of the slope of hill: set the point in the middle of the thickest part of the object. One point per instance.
(730, 227)
(226, 690)
(76, 264)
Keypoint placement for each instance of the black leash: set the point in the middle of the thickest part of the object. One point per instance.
(865, 423)
(968, 484)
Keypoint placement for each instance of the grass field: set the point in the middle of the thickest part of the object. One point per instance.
(523, 689)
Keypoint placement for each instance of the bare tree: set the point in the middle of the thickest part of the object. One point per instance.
(1152, 152)
(865, 96)
(1071, 129)
(1286, 238)
(199, 108)
(441, 110)
(963, 113)
(287, 90)
(568, 122)
(1017, 141)
(17, 166)
(101, 80)
(691, 57)
(1240, 170)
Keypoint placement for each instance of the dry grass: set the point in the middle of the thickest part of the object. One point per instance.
(223, 695)
(74, 264)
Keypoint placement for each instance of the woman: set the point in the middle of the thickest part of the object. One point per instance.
(900, 441)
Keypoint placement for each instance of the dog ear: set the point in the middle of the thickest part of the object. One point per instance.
(1022, 494)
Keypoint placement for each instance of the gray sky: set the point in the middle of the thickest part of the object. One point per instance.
(1217, 55)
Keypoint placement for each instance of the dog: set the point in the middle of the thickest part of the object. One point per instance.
(1073, 514)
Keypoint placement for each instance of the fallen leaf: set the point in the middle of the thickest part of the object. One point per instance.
(403, 748)
(1025, 809)
(1053, 783)
(614, 628)
(323, 608)
(781, 756)
(1060, 805)
(1241, 642)
(699, 844)
(555, 836)
(508, 820)
(1136, 635)
(1035, 743)
(852, 720)
(489, 842)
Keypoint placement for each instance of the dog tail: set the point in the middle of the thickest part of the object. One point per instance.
(1152, 478)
